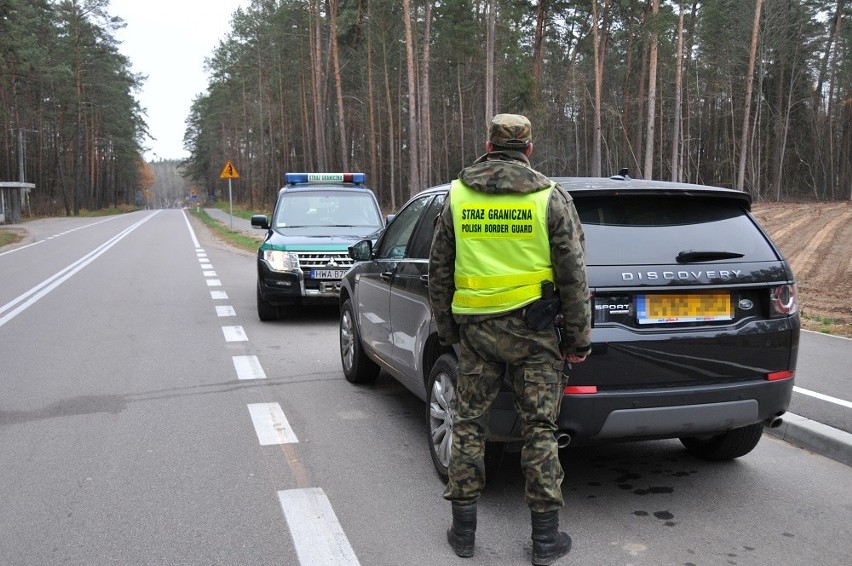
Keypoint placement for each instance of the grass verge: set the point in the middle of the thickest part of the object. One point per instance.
(9, 237)
(237, 239)
(826, 325)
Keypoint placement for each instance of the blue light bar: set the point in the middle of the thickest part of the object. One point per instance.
(294, 178)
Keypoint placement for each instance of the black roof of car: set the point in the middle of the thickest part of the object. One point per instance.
(609, 186)
(616, 186)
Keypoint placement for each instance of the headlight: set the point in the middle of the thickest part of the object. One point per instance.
(281, 261)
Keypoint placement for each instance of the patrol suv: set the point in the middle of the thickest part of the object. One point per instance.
(316, 218)
(695, 333)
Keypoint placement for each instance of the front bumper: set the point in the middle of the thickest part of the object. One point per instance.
(293, 287)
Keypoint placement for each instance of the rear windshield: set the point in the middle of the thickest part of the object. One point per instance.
(635, 230)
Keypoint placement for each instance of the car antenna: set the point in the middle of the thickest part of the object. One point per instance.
(622, 175)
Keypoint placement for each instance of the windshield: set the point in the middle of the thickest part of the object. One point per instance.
(328, 210)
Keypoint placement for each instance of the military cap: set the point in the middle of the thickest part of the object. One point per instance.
(510, 130)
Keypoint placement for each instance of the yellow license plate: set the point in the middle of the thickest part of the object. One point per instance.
(686, 307)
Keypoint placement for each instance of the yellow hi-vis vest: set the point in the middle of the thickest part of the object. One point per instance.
(502, 249)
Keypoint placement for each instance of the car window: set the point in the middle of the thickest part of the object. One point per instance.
(394, 242)
(422, 240)
(634, 230)
(327, 209)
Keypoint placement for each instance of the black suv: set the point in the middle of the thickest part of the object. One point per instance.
(316, 218)
(695, 332)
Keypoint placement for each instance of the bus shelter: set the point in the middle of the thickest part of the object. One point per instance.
(11, 199)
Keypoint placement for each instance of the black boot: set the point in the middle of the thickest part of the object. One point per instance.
(549, 543)
(461, 534)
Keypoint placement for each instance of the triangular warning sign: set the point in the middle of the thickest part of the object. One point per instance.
(229, 171)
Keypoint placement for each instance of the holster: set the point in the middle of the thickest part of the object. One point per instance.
(541, 314)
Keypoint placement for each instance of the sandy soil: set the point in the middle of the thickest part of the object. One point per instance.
(816, 238)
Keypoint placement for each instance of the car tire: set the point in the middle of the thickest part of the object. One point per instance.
(726, 446)
(357, 367)
(440, 407)
(265, 310)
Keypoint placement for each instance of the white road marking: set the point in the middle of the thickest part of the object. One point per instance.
(823, 397)
(317, 534)
(217, 295)
(226, 310)
(34, 294)
(214, 283)
(209, 273)
(57, 236)
(270, 424)
(234, 334)
(206, 266)
(248, 367)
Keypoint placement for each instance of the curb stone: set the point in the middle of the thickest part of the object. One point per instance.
(816, 437)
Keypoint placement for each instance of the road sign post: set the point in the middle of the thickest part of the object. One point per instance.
(230, 172)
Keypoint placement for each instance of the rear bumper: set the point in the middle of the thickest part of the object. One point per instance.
(672, 413)
(653, 414)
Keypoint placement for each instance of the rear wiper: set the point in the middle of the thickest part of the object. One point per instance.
(705, 255)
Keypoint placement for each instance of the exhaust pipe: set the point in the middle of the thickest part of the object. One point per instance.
(773, 422)
(563, 439)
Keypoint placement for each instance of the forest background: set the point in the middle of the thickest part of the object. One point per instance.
(751, 94)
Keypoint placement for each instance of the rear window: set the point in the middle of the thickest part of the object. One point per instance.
(637, 230)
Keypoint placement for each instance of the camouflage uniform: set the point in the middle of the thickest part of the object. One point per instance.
(489, 344)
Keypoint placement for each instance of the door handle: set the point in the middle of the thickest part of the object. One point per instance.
(425, 279)
(386, 275)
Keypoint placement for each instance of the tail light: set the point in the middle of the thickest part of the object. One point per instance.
(782, 301)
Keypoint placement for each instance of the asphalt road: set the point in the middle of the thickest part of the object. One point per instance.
(148, 417)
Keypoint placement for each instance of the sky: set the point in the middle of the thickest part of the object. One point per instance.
(168, 40)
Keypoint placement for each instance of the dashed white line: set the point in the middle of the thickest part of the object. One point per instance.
(317, 534)
(271, 425)
(209, 274)
(248, 367)
(225, 310)
(234, 334)
(214, 283)
(218, 295)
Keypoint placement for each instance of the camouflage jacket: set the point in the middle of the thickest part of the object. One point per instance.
(503, 172)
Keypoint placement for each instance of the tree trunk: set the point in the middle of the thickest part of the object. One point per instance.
(491, 19)
(747, 103)
(317, 97)
(648, 172)
(678, 94)
(413, 149)
(338, 84)
(425, 114)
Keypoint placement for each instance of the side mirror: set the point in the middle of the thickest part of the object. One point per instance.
(361, 251)
(260, 221)
(389, 218)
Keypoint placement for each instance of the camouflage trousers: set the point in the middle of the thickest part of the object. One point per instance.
(488, 349)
